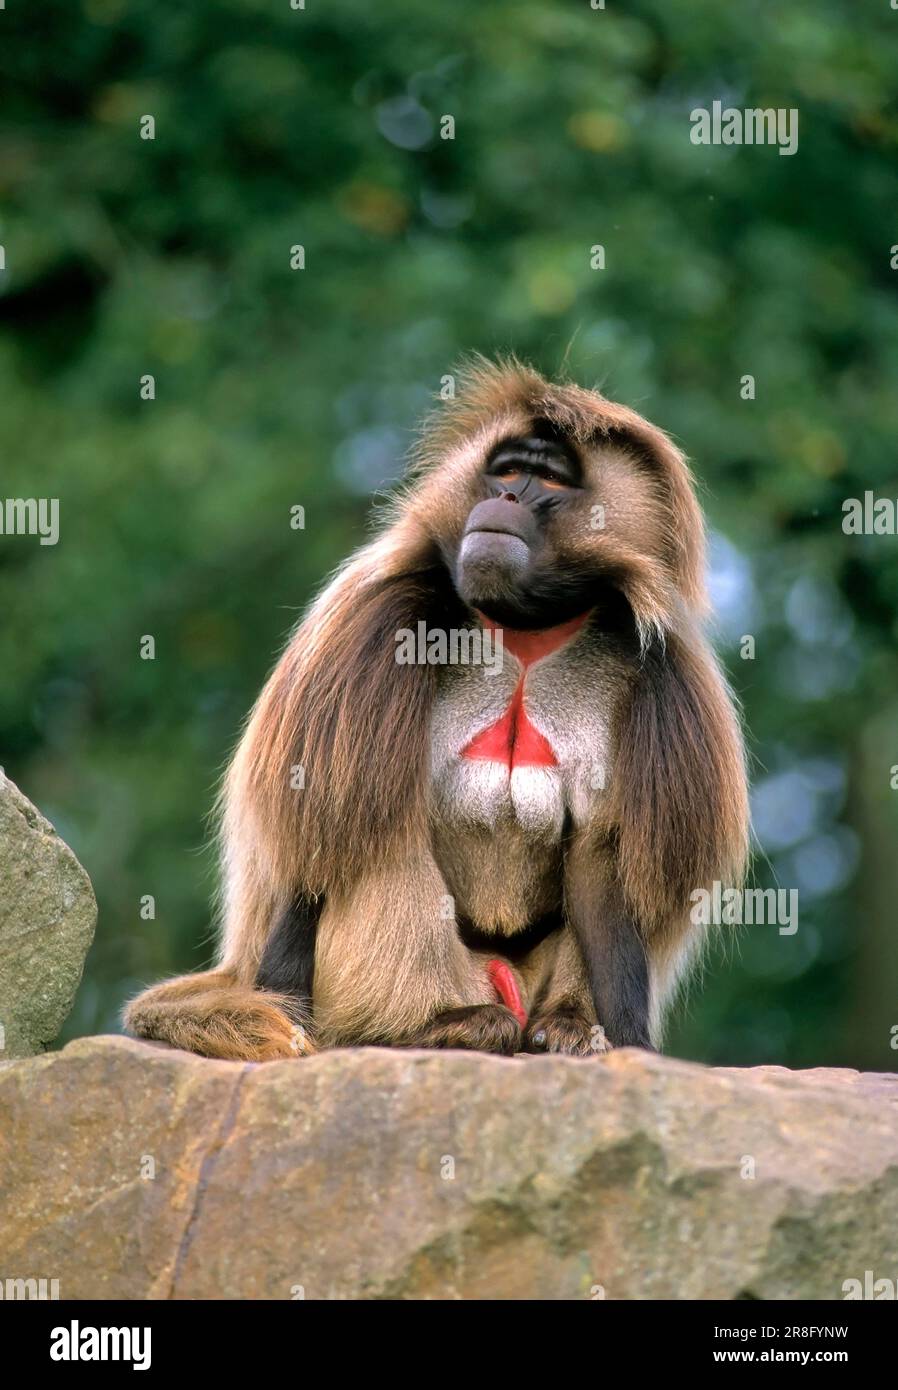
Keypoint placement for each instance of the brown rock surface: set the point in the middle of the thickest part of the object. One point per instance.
(137, 1172)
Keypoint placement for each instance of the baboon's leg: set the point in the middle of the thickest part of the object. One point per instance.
(213, 1014)
(226, 1012)
(390, 968)
(230, 1011)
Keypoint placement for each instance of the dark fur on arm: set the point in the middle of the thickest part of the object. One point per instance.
(288, 962)
(612, 948)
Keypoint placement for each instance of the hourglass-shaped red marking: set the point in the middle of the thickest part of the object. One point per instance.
(513, 740)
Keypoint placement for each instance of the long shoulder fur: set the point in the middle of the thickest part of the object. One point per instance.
(340, 708)
(333, 765)
(681, 801)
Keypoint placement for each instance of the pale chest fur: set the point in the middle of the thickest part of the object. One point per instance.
(519, 755)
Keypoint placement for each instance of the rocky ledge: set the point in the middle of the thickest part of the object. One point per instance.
(133, 1171)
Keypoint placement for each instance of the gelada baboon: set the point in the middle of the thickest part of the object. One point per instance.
(496, 856)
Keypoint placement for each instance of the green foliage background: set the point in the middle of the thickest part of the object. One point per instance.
(277, 387)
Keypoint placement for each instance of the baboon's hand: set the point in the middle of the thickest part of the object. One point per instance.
(479, 1027)
(566, 1029)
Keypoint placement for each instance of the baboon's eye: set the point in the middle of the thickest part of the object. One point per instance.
(553, 480)
(522, 458)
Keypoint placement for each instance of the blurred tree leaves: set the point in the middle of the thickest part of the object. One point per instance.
(274, 387)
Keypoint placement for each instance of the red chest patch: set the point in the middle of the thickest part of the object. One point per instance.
(513, 740)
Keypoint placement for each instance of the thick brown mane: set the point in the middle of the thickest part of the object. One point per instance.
(509, 387)
(340, 707)
(357, 723)
(680, 803)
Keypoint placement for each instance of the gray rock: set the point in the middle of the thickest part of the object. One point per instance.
(133, 1171)
(47, 919)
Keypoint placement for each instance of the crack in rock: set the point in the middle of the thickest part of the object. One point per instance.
(207, 1168)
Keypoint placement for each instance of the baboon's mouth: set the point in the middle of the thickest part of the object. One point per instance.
(484, 544)
(494, 531)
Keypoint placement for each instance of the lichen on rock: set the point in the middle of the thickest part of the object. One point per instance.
(47, 917)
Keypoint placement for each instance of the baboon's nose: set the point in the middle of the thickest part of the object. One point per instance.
(495, 514)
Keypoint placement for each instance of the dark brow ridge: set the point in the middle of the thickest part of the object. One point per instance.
(535, 451)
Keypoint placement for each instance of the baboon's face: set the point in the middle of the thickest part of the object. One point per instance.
(508, 561)
(537, 523)
(527, 554)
